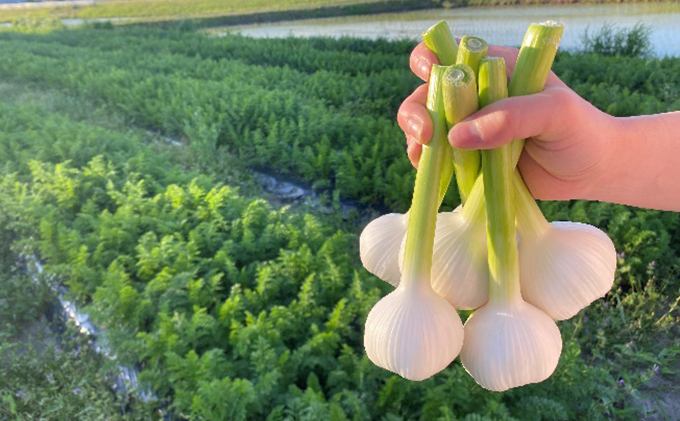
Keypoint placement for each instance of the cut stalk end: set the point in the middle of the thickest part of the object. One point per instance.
(439, 40)
(470, 51)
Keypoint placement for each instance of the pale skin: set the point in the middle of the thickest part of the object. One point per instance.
(573, 150)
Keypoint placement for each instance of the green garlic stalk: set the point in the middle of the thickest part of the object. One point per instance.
(460, 101)
(423, 214)
(459, 271)
(439, 40)
(471, 51)
(381, 240)
(413, 331)
(508, 342)
(498, 193)
(564, 266)
(534, 61)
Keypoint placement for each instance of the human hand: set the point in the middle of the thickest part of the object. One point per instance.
(567, 150)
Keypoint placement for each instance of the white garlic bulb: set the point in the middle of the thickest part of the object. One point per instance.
(566, 267)
(459, 262)
(379, 246)
(510, 344)
(413, 332)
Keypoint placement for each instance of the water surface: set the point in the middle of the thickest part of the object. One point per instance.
(497, 25)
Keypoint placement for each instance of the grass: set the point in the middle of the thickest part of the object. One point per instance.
(611, 41)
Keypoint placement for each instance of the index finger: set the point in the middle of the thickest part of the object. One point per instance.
(422, 60)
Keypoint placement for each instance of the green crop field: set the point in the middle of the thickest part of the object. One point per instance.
(234, 307)
(154, 9)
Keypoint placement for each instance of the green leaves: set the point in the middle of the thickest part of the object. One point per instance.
(237, 308)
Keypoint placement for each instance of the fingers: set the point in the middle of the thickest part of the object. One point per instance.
(543, 184)
(509, 54)
(513, 118)
(413, 117)
(422, 60)
(544, 115)
(413, 150)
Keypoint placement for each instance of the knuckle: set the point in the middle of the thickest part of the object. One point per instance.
(500, 122)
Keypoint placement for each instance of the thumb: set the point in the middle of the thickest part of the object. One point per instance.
(542, 114)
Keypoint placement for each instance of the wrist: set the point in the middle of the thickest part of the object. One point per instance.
(604, 182)
(641, 163)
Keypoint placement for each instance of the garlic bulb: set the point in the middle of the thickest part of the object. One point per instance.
(379, 246)
(509, 345)
(508, 342)
(413, 332)
(460, 272)
(459, 262)
(564, 266)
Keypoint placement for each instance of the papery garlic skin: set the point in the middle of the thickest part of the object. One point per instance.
(414, 333)
(460, 272)
(379, 246)
(510, 345)
(566, 268)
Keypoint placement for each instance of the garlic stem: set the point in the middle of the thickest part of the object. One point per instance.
(423, 215)
(461, 101)
(498, 192)
(533, 65)
(531, 222)
(471, 51)
(438, 39)
(381, 240)
(475, 205)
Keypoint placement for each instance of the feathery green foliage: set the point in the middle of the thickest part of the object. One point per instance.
(236, 309)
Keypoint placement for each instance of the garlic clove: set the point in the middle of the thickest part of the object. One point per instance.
(460, 271)
(413, 332)
(510, 345)
(567, 268)
(379, 246)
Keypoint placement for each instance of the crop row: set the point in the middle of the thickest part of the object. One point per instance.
(313, 118)
(232, 309)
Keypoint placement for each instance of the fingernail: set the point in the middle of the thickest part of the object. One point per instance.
(475, 132)
(424, 67)
(415, 127)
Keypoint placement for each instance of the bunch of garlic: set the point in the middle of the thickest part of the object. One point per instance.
(519, 271)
